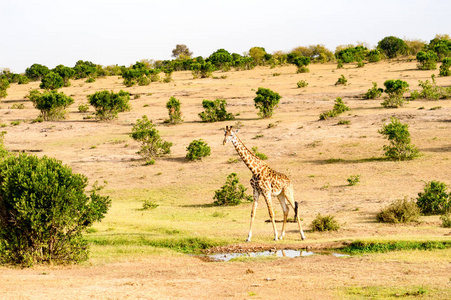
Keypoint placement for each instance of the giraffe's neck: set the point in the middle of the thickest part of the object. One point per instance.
(252, 162)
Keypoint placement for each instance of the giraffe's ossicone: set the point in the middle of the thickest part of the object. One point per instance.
(266, 182)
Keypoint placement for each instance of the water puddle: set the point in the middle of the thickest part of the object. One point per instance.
(275, 253)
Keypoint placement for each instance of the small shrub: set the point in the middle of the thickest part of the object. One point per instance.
(51, 104)
(197, 149)
(374, 92)
(374, 56)
(353, 180)
(302, 83)
(149, 204)
(344, 122)
(109, 104)
(427, 60)
(435, 199)
(232, 193)
(339, 64)
(395, 90)
(23, 79)
(399, 136)
(360, 64)
(167, 75)
(446, 220)
(143, 80)
(175, 115)
(83, 108)
(152, 145)
(301, 63)
(444, 68)
(400, 211)
(4, 85)
(339, 107)
(258, 154)
(44, 210)
(342, 80)
(18, 106)
(430, 91)
(51, 81)
(215, 111)
(266, 101)
(326, 223)
(202, 70)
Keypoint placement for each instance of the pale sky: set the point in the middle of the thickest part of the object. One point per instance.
(108, 32)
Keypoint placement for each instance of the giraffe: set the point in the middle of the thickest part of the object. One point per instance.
(266, 182)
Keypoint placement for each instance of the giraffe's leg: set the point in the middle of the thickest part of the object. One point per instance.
(267, 195)
(283, 203)
(254, 210)
(290, 199)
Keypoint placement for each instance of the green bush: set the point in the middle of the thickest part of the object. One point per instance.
(152, 145)
(232, 193)
(353, 180)
(167, 75)
(266, 101)
(85, 69)
(202, 70)
(44, 210)
(215, 111)
(374, 92)
(23, 79)
(51, 104)
(342, 80)
(374, 56)
(392, 46)
(65, 72)
(3, 151)
(446, 220)
(154, 75)
(51, 81)
(197, 149)
(219, 58)
(175, 115)
(339, 107)
(431, 91)
(427, 60)
(4, 85)
(395, 90)
(301, 62)
(36, 72)
(400, 211)
(399, 136)
(302, 83)
(440, 45)
(109, 104)
(149, 204)
(324, 223)
(435, 199)
(260, 155)
(339, 64)
(444, 68)
(83, 108)
(351, 54)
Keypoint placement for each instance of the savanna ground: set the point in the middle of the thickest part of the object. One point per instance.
(319, 156)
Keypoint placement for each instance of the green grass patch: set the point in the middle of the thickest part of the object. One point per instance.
(362, 247)
(388, 292)
(178, 244)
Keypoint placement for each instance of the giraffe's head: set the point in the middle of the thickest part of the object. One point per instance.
(229, 134)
